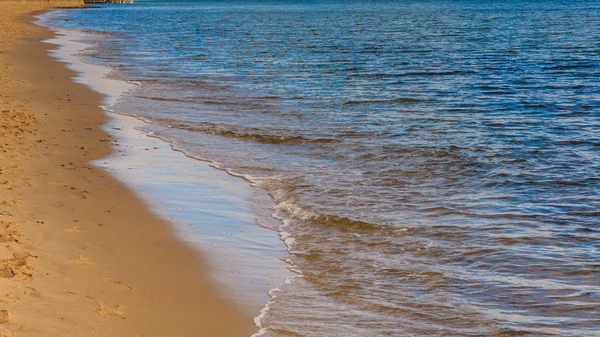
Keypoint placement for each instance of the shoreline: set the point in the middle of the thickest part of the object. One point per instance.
(211, 209)
(78, 264)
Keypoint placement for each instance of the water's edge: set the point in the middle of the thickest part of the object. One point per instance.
(431, 166)
(235, 273)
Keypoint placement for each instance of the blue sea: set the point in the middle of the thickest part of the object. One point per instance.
(433, 166)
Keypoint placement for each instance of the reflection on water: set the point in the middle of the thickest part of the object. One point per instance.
(436, 164)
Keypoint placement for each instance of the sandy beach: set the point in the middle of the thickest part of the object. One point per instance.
(81, 254)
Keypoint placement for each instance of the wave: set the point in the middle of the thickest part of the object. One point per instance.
(405, 100)
(413, 73)
(259, 137)
(164, 99)
(251, 101)
(570, 66)
(287, 202)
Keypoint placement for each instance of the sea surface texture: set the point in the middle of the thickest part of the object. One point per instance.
(434, 165)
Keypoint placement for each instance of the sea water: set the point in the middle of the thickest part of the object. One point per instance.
(433, 166)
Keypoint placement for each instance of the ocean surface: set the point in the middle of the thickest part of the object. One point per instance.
(433, 166)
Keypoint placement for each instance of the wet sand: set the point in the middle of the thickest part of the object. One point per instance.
(81, 254)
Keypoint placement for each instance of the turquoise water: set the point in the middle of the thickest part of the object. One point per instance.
(435, 164)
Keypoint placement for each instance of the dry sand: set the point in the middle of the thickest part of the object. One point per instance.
(80, 255)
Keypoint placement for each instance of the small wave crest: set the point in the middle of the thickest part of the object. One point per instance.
(256, 135)
(403, 100)
(288, 202)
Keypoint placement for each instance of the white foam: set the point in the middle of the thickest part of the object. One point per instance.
(289, 242)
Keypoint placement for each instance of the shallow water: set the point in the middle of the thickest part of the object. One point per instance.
(211, 210)
(435, 164)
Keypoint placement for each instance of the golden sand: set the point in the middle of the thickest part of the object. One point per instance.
(80, 255)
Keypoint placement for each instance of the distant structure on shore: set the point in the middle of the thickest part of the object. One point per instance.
(108, 1)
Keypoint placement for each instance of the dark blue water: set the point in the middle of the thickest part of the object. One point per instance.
(436, 163)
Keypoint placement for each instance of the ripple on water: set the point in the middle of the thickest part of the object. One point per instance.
(436, 163)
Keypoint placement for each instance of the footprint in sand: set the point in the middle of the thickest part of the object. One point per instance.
(110, 310)
(11, 202)
(31, 292)
(83, 261)
(17, 266)
(6, 333)
(6, 297)
(119, 286)
(5, 316)
(9, 232)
